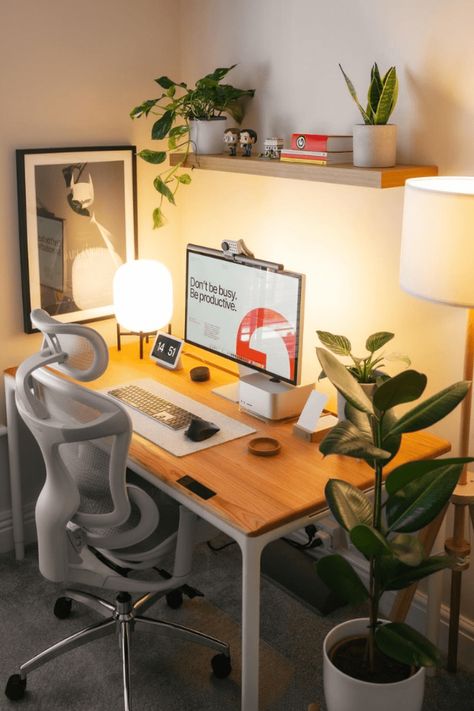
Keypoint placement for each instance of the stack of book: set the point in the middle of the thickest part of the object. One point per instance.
(318, 149)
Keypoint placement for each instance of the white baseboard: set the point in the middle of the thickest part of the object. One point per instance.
(6, 527)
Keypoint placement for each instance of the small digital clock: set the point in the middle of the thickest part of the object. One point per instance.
(166, 350)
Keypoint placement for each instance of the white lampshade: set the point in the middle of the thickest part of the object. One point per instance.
(143, 295)
(437, 252)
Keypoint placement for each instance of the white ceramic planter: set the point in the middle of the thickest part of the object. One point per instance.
(368, 388)
(343, 693)
(375, 146)
(207, 137)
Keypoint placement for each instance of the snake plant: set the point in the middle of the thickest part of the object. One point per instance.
(381, 97)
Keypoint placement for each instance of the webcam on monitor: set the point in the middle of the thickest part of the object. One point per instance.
(232, 248)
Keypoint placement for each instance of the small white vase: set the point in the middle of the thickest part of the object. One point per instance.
(207, 137)
(375, 146)
(344, 693)
(368, 388)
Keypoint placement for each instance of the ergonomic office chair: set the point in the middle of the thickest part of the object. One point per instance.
(93, 527)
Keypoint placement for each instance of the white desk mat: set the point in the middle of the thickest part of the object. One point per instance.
(175, 441)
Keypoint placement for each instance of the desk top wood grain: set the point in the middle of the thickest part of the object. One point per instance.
(254, 494)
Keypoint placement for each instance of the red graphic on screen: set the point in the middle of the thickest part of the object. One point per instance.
(275, 322)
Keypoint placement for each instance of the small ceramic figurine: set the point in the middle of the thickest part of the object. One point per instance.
(272, 147)
(247, 138)
(231, 138)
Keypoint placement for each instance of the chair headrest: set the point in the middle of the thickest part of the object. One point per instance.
(81, 352)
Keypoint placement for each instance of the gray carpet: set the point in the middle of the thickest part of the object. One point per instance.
(169, 676)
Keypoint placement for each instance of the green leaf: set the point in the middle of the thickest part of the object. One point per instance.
(344, 438)
(184, 178)
(405, 473)
(400, 576)
(375, 88)
(369, 541)
(161, 127)
(167, 83)
(154, 157)
(344, 382)
(144, 108)
(158, 218)
(359, 419)
(391, 443)
(401, 642)
(338, 574)
(163, 189)
(340, 345)
(432, 410)
(352, 92)
(377, 340)
(404, 387)
(349, 506)
(178, 131)
(407, 549)
(420, 500)
(386, 103)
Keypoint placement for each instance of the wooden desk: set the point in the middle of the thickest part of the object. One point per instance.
(257, 499)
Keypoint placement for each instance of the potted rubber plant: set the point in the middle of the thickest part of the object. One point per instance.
(371, 664)
(375, 141)
(189, 117)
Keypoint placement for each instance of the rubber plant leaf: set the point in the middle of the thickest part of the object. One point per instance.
(401, 642)
(349, 505)
(422, 499)
(344, 382)
(407, 549)
(404, 387)
(405, 473)
(347, 440)
(338, 575)
(432, 410)
(369, 541)
(398, 577)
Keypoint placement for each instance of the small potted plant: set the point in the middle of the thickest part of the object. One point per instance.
(370, 664)
(368, 370)
(189, 117)
(375, 141)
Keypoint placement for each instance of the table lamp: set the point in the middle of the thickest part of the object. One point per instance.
(437, 263)
(143, 299)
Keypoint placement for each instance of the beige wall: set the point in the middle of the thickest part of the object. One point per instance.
(71, 73)
(345, 239)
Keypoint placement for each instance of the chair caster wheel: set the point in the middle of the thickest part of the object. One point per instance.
(15, 688)
(62, 607)
(174, 599)
(221, 666)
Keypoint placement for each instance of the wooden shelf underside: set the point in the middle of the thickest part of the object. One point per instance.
(345, 174)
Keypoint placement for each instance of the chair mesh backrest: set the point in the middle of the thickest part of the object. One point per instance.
(83, 435)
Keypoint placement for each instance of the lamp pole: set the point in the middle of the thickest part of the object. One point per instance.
(463, 496)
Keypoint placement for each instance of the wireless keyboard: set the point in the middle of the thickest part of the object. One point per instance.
(152, 405)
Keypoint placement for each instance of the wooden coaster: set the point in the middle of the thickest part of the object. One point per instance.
(264, 446)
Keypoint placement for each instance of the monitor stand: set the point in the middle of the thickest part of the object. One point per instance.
(231, 391)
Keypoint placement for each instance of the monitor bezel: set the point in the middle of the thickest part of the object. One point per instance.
(263, 266)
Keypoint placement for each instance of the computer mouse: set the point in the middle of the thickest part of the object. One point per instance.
(200, 430)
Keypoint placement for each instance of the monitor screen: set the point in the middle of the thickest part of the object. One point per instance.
(246, 310)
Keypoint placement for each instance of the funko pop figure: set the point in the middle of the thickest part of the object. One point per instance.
(231, 138)
(247, 139)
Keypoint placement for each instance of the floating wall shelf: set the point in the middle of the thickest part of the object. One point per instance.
(345, 174)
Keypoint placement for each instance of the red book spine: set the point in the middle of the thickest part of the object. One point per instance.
(319, 142)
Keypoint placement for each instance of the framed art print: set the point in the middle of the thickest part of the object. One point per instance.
(77, 224)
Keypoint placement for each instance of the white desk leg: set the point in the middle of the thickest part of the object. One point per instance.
(14, 466)
(251, 551)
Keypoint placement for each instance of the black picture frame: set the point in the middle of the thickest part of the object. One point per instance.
(77, 224)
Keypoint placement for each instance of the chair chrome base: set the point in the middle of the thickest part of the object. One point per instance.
(122, 618)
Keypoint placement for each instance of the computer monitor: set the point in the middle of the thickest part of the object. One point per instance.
(244, 309)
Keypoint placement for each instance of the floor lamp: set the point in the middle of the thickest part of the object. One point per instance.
(437, 263)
